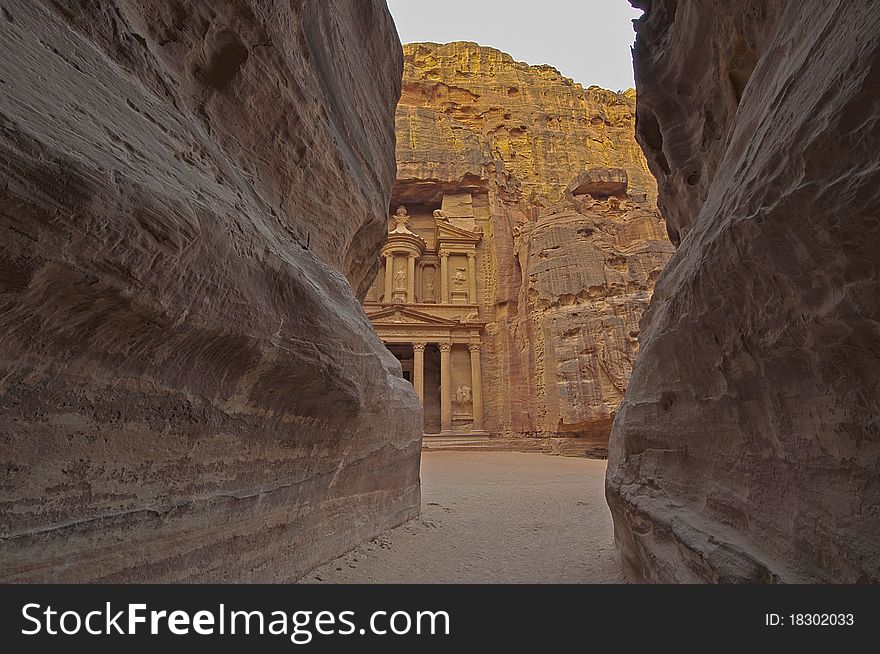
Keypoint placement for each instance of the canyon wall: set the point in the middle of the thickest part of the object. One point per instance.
(566, 263)
(588, 268)
(189, 195)
(748, 444)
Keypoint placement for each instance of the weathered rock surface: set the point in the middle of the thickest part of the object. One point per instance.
(189, 389)
(748, 445)
(588, 270)
(564, 272)
(695, 97)
(464, 105)
(600, 183)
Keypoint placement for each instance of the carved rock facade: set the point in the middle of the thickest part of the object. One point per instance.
(189, 389)
(748, 445)
(534, 245)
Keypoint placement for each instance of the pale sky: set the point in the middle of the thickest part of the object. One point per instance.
(587, 40)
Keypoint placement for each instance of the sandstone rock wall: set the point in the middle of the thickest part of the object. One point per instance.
(687, 105)
(464, 105)
(588, 270)
(189, 192)
(563, 281)
(747, 447)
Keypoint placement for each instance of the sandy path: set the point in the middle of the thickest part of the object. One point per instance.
(494, 517)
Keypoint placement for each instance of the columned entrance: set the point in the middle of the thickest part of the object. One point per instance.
(447, 378)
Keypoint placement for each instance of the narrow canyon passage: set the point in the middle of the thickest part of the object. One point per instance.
(494, 517)
(250, 252)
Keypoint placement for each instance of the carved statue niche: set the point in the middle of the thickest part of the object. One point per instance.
(459, 279)
(463, 396)
(428, 283)
(400, 280)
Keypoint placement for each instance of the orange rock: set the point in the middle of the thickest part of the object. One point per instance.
(513, 151)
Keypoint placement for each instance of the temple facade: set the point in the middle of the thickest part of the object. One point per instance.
(512, 319)
(425, 306)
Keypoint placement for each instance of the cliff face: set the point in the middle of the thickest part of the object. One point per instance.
(747, 447)
(588, 268)
(463, 105)
(568, 258)
(189, 389)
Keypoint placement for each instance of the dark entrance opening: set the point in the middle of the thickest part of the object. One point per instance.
(432, 389)
(404, 354)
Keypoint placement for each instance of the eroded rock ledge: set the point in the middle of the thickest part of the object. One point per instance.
(748, 444)
(189, 390)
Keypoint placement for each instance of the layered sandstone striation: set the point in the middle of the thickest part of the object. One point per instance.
(747, 446)
(189, 194)
(571, 238)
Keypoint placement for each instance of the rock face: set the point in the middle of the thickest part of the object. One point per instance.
(748, 445)
(189, 192)
(588, 270)
(550, 175)
(463, 105)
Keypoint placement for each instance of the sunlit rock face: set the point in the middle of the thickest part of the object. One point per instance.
(189, 194)
(747, 447)
(572, 242)
(462, 103)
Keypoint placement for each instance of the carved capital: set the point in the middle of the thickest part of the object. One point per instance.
(444, 255)
(418, 347)
(474, 347)
(471, 255)
(445, 347)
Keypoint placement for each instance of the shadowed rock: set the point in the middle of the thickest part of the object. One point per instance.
(189, 192)
(747, 447)
(600, 183)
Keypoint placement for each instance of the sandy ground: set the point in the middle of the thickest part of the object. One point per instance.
(490, 517)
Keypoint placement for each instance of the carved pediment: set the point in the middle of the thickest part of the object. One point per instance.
(448, 232)
(406, 316)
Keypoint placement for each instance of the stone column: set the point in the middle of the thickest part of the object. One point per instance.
(389, 278)
(444, 278)
(411, 279)
(472, 277)
(476, 386)
(445, 388)
(419, 370)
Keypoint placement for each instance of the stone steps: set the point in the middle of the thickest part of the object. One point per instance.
(578, 447)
